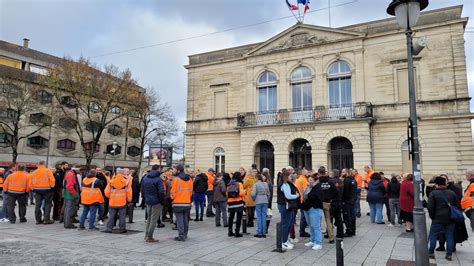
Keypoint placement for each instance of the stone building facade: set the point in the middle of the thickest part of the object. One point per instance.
(60, 142)
(337, 97)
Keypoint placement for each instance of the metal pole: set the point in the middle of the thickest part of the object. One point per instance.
(49, 144)
(114, 163)
(161, 150)
(419, 220)
(278, 239)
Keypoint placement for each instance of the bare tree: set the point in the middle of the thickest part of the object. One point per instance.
(91, 99)
(156, 121)
(19, 100)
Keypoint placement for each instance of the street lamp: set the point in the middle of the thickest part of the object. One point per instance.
(161, 134)
(407, 13)
(114, 147)
(49, 144)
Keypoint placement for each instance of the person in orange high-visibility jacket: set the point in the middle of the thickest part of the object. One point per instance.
(235, 203)
(211, 176)
(301, 184)
(42, 184)
(119, 193)
(2, 172)
(17, 186)
(91, 198)
(360, 185)
(181, 193)
(467, 201)
(368, 175)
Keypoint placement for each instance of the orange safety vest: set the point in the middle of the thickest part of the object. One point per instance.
(360, 182)
(467, 201)
(90, 194)
(118, 191)
(210, 181)
(42, 179)
(368, 176)
(181, 192)
(1, 181)
(241, 195)
(301, 184)
(17, 183)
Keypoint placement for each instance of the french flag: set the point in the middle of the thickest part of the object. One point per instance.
(291, 6)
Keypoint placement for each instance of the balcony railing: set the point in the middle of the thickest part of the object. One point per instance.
(318, 113)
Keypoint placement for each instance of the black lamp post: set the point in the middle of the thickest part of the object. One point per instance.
(114, 146)
(407, 13)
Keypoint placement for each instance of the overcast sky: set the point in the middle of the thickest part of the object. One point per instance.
(95, 27)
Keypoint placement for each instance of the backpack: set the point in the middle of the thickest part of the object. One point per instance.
(233, 190)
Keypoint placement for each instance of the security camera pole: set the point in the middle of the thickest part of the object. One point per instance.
(407, 12)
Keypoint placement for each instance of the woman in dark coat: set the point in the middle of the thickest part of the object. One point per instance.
(375, 197)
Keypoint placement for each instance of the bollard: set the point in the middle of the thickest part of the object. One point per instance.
(339, 252)
(278, 249)
(244, 224)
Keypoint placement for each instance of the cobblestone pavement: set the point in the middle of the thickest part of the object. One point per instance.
(29, 243)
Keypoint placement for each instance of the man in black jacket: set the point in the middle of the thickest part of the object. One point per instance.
(58, 190)
(348, 195)
(329, 193)
(439, 211)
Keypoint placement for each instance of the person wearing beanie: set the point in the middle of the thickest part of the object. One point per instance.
(439, 211)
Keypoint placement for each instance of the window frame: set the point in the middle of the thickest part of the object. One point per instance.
(69, 145)
(43, 143)
(297, 85)
(340, 78)
(268, 85)
(219, 159)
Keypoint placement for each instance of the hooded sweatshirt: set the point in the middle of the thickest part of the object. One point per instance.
(376, 191)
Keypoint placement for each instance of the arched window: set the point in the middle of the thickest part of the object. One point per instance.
(301, 89)
(340, 88)
(219, 159)
(267, 92)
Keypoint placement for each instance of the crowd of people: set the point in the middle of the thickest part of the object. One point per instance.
(238, 199)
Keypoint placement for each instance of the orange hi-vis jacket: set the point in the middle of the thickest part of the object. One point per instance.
(90, 194)
(42, 179)
(210, 181)
(181, 192)
(1, 181)
(301, 184)
(118, 191)
(368, 176)
(360, 181)
(17, 183)
(467, 201)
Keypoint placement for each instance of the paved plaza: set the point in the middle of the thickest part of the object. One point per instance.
(29, 243)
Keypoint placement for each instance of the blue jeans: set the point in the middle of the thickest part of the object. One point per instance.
(286, 221)
(261, 210)
(93, 211)
(314, 216)
(303, 222)
(448, 231)
(199, 205)
(376, 212)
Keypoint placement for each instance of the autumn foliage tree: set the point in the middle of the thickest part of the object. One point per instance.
(92, 99)
(18, 100)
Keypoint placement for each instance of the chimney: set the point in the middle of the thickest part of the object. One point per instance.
(25, 43)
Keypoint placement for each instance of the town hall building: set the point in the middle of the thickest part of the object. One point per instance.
(337, 97)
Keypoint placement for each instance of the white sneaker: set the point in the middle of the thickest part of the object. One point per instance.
(145, 221)
(294, 240)
(317, 247)
(4, 220)
(289, 243)
(286, 246)
(309, 244)
(390, 225)
(100, 223)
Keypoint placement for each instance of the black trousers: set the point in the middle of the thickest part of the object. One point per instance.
(336, 213)
(347, 217)
(250, 211)
(48, 199)
(387, 207)
(57, 205)
(22, 199)
(238, 222)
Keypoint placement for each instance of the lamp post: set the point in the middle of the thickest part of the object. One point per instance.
(161, 135)
(49, 144)
(114, 146)
(407, 13)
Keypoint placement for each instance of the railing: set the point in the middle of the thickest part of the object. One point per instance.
(318, 113)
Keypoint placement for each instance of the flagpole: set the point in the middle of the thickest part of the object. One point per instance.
(299, 13)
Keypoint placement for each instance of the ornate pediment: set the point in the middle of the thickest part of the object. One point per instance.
(300, 36)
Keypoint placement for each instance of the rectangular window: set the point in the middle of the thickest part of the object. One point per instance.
(38, 69)
(267, 99)
(302, 96)
(220, 104)
(402, 83)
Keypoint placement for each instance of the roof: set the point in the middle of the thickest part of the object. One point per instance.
(30, 53)
(368, 28)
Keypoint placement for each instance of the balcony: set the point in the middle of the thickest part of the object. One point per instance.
(317, 114)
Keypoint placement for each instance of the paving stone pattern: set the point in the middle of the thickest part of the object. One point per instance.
(29, 243)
